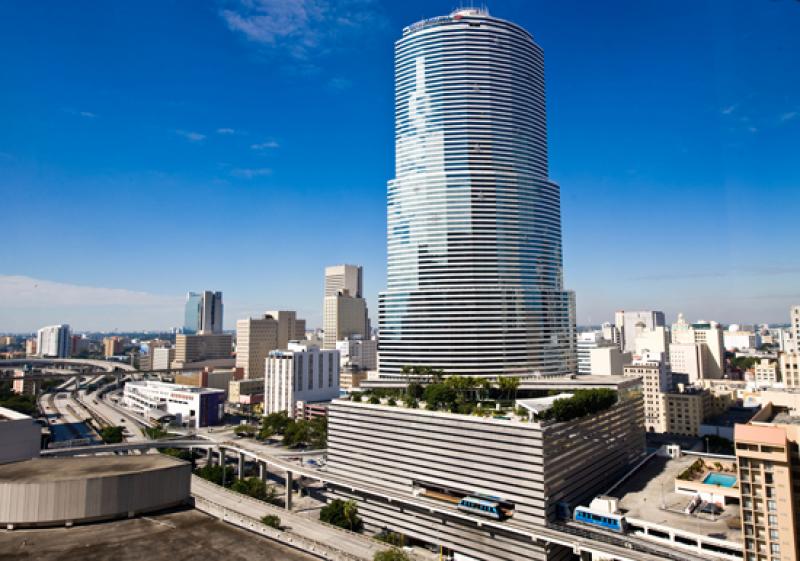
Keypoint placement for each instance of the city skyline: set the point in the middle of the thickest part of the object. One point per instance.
(220, 148)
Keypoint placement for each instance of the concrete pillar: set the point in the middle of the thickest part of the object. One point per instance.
(262, 471)
(288, 490)
(240, 471)
(221, 454)
(210, 456)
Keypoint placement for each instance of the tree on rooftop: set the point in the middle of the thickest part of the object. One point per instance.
(508, 385)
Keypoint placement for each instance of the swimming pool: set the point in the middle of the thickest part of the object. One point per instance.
(720, 479)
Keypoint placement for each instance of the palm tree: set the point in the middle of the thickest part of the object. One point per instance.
(350, 514)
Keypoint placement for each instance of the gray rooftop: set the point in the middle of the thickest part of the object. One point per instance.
(64, 469)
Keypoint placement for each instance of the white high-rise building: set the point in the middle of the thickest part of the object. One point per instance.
(54, 341)
(303, 373)
(474, 284)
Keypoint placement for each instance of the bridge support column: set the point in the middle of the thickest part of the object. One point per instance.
(262, 471)
(288, 501)
(210, 456)
(221, 454)
(240, 471)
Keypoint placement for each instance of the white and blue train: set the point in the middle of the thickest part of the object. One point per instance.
(482, 507)
(605, 520)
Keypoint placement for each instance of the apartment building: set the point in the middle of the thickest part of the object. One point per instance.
(538, 469)
(303, 373)
(767, 372)
(769, 482)
(54, 341)
(655, 383)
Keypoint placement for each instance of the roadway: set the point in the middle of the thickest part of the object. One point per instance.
(114, 415)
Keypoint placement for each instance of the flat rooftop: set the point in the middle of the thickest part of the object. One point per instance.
(649, 494)
(185, 534)
(64, 469)
(733, 416)
(7, 414)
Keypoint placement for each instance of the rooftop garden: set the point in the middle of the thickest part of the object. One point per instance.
(434, 391)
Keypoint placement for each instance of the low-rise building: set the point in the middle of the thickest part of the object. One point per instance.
(241, 388)
(537, 470)
(767, 372)
(358, 354)
(608, 361)
(162, 358)
(685, 409)
(300, 374)
(194, 406)
(20, 436)
(790, 369)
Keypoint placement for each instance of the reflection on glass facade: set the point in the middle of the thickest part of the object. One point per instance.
(474, 225)
(191, 320)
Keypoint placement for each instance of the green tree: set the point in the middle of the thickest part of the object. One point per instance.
(439, 396)
(390, 555)
(343, 514)
(245, 430)
(214, 474)
(111, 435)
(272, 521)
(256, 488)
(508, 386)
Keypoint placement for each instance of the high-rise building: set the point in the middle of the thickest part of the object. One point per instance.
(303, 373)
(769, 483)
(631, 325)
(203, 313)
(345, 310)
(474, 224)
(194, 348)
(256, 337)
(54, 341)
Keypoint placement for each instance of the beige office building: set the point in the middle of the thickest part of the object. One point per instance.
(767, 372)
(769, 482)
(685, 410)
(256, 337)
(193, 348)
(345, 310)
(709, 336)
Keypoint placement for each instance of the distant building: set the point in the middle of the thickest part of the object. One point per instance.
(768, 464)
(345, 310)
(736, 339)
(256, 337)
(790, 369)
(203, 313)
(300, 374)
(767, 372)
(707, 334)
(217, 378)
(631, 324)
(358, 354)
(30, 347)
(685, 408)
(248, 387)
(112, 346)
(608, 361)
(162, 358)
(54, 341)
(193, 348)
(7, 340)
(195, 406)
(654, 341)
(655, 383)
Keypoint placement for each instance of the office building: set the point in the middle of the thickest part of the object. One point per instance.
(189, 405)
(194, 348)
(256, 337)
(203, 313)
(539, 469)
(162, 358)
(54, 341)
(769, 483)
(344, 279)
(608, 361)
(474, 278)
(345, 310)
(794, 329)
(685, 408)
(240, 389)
(30, 347)
(631, 325)
(656, 381)
(688, 359)
(301, 374)
(358, 354)
(112, 346)
(766, 372)
(654, 341)
(709, 336)
(790, 369)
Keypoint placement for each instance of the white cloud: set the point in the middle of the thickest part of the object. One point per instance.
(339, 83)
(301, 27)
(191, 135)
(250, 173)
(269, 144)
(226, 131)
(87, 114)
(789, 116)
(728, 110)
(28, 303)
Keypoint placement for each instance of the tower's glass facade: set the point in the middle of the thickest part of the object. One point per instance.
(474, 226)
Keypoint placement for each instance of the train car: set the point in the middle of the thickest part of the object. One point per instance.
(482, 507)
(605, 520)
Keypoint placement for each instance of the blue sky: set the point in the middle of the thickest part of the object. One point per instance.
(150, 148)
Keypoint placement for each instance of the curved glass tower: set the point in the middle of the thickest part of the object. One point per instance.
(474, 224)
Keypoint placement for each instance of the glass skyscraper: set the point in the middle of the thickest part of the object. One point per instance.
(474, 225)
